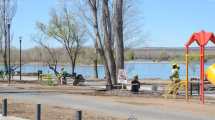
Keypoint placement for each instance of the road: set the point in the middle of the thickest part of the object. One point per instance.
(106, 106)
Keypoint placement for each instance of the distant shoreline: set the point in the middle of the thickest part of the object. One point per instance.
(126, 62)
(151, 62)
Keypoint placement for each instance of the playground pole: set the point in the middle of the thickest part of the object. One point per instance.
(202, 74)
(187, 76)
(20, 58)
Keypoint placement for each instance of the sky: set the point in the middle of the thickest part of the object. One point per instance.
(167, 23)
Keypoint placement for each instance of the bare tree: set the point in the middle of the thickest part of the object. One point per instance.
(111, 22)
(108, 46)
(52, 59)
(83, 14)
(63, 28)
(94, 10)
(133, 32)
(107, 21)
(7, 12)
(1, 37)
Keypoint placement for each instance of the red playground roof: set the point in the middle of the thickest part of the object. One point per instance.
(201, 38)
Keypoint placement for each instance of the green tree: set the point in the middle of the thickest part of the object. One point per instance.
(65, 29)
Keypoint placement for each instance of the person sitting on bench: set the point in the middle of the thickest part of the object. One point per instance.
(135, 85)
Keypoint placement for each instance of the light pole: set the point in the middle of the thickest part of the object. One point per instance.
(8, 25)
(20, 58)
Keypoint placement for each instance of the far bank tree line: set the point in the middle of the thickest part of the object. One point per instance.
(40, 56)
(171, 54)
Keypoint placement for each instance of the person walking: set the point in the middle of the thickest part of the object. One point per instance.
(175, 73)
(173, 87)
(63, 76)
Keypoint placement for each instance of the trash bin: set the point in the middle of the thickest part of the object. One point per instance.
(40, 72)
(154, 87)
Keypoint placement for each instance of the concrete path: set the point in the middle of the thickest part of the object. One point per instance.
(10, 118)
(109, 107)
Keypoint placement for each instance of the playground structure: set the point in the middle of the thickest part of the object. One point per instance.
(201, 38)
(210, 74)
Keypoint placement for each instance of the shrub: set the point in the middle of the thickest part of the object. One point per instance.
(47, 80)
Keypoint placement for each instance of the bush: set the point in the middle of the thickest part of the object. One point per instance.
(47, 80)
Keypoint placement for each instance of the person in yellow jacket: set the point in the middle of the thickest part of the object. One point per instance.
(175, 73)
(173, 87)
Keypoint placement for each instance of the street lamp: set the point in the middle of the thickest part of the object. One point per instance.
(8, 26)
(20, 58)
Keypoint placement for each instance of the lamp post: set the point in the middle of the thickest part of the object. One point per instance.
(20, 58)
(8, 25)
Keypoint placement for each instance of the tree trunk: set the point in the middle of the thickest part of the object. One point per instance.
(73, 68)
(118, 34)
(93, 6)
(107, 75)
(107, 41)
(54, 69)
(95, 68)
(5, 37)
(95, 61)
(5, 53)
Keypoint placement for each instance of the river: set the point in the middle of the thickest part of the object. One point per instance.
(145, 70)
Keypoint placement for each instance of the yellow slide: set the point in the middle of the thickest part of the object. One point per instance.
(210, 74)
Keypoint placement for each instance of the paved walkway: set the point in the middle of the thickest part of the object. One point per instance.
(110, 107)
(10, 118)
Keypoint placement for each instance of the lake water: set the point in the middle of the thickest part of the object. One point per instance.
(143, 70)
